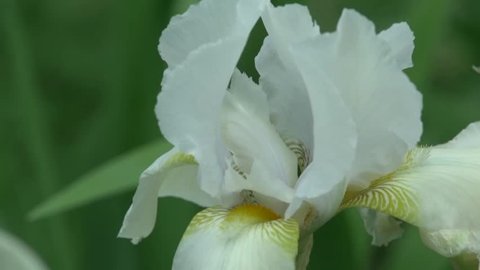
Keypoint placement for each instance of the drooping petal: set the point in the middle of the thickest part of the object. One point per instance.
(383, 228)
(468, 138)
(332, 147)
(453, 243)
(202, 48)
(173, 174)
(279, 77)
(245, 237)
(15, 255)
(448, 183)
(437, 189)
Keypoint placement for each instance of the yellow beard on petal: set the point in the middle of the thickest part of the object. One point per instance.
(251, 214)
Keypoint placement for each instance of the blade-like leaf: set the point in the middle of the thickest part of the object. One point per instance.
(117, 175)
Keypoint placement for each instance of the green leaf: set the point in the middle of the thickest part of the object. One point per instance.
(115, 176)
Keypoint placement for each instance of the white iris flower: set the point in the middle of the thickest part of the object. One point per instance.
(333, 123)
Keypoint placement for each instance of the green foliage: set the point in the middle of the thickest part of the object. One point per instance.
(117, 175)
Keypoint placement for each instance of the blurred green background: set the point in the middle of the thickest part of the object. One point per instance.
(78, 83)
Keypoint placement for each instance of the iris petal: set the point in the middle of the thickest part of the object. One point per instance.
(173, 174)
(245, 237)
(436, 189)
(202, 48)
(332, 129)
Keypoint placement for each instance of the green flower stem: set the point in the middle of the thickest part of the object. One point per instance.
(304, 249)
(34, 127)
(465, 262)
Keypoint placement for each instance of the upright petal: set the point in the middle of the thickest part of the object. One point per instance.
(279, 77)
(173, 174)
(202, 48)
(332, 146)
(205, 23)
(261, 161)
(384, 103)
(245, 237)
(248, 134)
(400, 39)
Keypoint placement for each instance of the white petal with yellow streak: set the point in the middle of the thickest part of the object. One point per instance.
(246, 237)
(437, 189)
